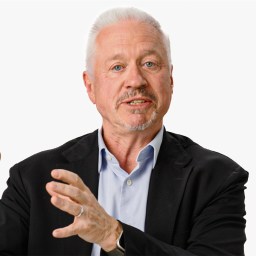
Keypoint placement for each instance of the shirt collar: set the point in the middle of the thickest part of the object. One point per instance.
(155, 144)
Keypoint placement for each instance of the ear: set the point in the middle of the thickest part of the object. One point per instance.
(171, 77)
(89, 86)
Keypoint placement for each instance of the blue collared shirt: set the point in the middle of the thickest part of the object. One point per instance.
(123, 195)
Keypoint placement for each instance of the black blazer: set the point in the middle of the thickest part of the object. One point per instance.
(195, 202)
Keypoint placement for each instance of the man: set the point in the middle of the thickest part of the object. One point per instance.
(130, 188)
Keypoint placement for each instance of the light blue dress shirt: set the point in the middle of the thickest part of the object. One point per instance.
(122, 195)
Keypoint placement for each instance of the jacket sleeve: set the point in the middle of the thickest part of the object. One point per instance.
(218, 230)
(14, 217)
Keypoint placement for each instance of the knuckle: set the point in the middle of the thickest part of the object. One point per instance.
(76, 179)
(73, 230)
(77, 193)
(86, 226)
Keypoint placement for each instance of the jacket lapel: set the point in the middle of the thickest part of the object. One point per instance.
(167, 184)
(82, 158)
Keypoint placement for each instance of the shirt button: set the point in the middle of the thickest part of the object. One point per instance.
(129, 182)
(109, 157)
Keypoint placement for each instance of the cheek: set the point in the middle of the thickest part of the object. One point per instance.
(104, 98)
(109, 90)
(165, 87)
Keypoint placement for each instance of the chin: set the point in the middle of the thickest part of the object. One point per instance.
(142, 126)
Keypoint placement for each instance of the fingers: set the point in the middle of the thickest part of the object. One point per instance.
(69, 178)
(91, 222)
(65, 232)
(68, 197)
(65, 190)
(66, 205)
(73, 189)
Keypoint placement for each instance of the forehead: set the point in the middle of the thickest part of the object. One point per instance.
(128, 35)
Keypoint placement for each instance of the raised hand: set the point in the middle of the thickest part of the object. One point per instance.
(91, 222)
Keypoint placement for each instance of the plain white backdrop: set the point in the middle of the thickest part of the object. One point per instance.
(43, 101)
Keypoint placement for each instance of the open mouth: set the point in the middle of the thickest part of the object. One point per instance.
(136, 102)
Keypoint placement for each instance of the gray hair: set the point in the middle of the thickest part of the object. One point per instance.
(116, 15)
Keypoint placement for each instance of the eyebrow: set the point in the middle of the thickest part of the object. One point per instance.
(150, 52)
(145, 53)
(117, 56)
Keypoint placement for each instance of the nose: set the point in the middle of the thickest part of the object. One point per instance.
(135, 77)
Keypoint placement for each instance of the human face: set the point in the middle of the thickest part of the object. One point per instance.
(131, 82)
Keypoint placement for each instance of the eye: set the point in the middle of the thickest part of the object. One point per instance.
(117, 68)
(150, 64)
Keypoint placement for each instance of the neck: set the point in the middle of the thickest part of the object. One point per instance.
(125, 145)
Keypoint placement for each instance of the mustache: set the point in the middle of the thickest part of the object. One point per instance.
(134, 92)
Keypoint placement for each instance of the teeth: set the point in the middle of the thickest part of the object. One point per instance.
(134, 102)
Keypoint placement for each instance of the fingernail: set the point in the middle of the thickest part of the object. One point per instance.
(53, 185)
(54, 233)
(54, 199)
(55, 173)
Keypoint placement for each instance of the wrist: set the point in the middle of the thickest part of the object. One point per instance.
(119, 250)
(110, 243)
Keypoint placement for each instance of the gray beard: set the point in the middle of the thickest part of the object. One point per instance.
(144, 126)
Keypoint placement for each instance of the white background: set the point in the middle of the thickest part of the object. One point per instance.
(43, 102)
